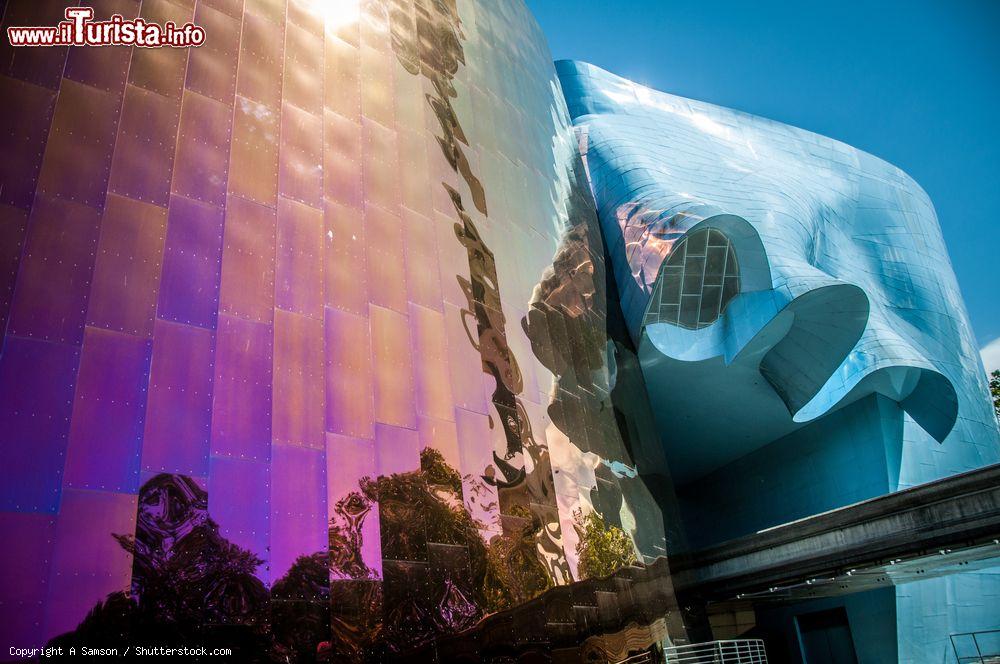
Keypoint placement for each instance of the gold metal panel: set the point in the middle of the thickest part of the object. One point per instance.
(254, 158)
(430, 363)
(259, 76)
(161, 69)
(423, 284)
(303, 73)
(344, 270)
(377, 85)
(384, 253)
(212, 66)
(299, 261)
(247, 287)
(300, 158)
(341, 79)
(299, 408)
(148, 127)
(83, 132)
(202, 162)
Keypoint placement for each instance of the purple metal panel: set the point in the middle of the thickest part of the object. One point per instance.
(192, 263)
(105, 434)
(143, 160)
(36, 397)
(13, 229)
(161, 70)
(238, 500)
(441, 435)
(298, 505)
(179, 411)
(42, 66)
(53, 284)
(299, 402)
(259, 76)
(241, 412)
(413, 169)
(212, 66)
(349, 407)
(82, 139)
(393, 366)
(342, 176)
(423, 282)
(103, 68)
(202, 161)
(344, 268)
(397, 449)
(24, 575)
(247, 288)
(342, 137)
(88, 563)
(23, 148)
(430, 363)
(300, 159)
(303, 75)
(299, 269)
(127, 270)
(384, 257)
(353, 516)
(381, 183)
(253, 170)
(464, 361)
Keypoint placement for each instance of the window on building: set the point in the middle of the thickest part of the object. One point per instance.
(697, 281)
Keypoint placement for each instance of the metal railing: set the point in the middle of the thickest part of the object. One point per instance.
(742, 651)
(977, 647)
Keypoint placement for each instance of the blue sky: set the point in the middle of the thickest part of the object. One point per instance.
(916, 83)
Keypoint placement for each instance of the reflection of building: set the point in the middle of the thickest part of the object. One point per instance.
(317, 319)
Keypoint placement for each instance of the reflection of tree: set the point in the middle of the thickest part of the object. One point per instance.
(191, 586)
(429, 43)
(603, 549)
(995, 392)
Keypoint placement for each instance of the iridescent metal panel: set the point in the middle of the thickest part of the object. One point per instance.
(83, 132)
(248, 254)
(37, 379)
(105, 435)
(299, 258)
(349, 375)
(241, 407)
(299, 407)
(212, 67)
(189, 285)
(149, 124)
(103, 68)
(254, 159)
(23, 148)
(56, 269)
(161, 70)
(179, 407)
(202, 163)
(315, 316)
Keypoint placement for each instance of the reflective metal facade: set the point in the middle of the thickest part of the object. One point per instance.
(305, 332)
(846, 366)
